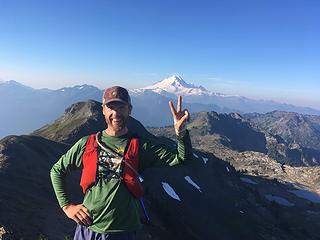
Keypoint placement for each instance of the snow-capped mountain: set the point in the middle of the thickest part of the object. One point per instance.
(175, 85)
(13, 84)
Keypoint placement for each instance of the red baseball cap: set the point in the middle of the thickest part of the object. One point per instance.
(116, 94)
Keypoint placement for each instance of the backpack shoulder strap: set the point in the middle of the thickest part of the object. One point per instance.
(131, 168)
(132, 149)
(91, 143)
(89, 162)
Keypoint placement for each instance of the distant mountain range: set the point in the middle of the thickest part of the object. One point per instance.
(233, 189)
(294, 128)
(175, 85)
(241, 134)
(26, 109)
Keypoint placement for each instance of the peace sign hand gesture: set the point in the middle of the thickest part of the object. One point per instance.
(179, 117)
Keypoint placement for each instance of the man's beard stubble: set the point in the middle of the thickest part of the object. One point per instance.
(119, 127)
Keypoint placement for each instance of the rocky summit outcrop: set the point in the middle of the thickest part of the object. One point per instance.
(81, 119)
(231, 190)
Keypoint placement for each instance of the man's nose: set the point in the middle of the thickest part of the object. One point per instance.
(115, 110)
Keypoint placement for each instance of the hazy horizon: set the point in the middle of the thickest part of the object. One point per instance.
(261, 50)
(101, 88)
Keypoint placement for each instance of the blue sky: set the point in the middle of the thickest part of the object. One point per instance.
(264, 49)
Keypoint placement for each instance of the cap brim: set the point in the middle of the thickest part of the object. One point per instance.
(116, 100)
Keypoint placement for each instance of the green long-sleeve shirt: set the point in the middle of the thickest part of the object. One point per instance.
(111, 205)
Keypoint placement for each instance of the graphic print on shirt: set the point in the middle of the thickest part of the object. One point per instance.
(119, 151)
(109, 165)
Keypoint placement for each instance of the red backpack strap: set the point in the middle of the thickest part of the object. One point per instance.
(131, 168)
(89, 162)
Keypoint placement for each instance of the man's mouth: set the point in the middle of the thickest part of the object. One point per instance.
(117, 121)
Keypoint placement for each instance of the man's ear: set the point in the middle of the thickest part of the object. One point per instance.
(103, 109)
(130, 109)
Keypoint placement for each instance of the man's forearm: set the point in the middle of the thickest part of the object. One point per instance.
(184, 147)
(58, 179)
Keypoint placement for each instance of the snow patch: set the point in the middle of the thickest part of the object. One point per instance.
(311, 196)
(195, 155)
(248, 180)
(228, 170)
(314, 160)
(189, 180)
(279, 200)
(313, 212)
(205, 160)
(169, 190)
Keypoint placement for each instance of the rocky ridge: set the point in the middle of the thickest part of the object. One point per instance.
(222, 183)
(294, 128)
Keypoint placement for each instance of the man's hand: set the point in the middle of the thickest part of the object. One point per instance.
(78, 213)
(179, 117)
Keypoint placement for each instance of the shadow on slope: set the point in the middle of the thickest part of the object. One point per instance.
(226, 206)
(28, 205)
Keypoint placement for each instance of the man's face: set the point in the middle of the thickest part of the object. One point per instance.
(116, 115)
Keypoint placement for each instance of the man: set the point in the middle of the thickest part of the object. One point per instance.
(110, 162)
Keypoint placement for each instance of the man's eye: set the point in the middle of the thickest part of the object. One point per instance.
(119, 108)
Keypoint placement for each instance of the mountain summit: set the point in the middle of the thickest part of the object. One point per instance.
(12, 84)
(176, 85)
